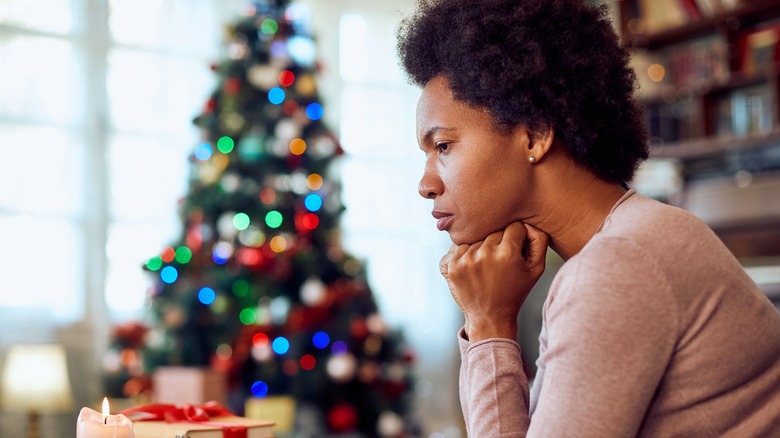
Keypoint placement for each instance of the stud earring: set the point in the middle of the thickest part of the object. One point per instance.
(532, 159)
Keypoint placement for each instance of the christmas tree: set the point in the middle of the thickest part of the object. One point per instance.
(258, 286)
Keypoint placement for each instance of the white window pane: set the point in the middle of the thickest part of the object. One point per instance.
(41, 170)
(182, 25)
(353, 47)
(147, 178)
(372, 120)
(154, 93)
(41, 264)
(129, 247)
(356, 35)
(46, 15)
(38, 79)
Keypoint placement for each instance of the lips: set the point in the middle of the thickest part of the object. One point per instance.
(443, 220)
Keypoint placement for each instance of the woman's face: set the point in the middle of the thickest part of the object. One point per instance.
(477, 177)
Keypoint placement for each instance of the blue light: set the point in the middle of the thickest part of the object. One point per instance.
(220, 255)
(313, 202)
(279, 49)
(203, 151)
(301, 50)
(338, 347)
(276, 95)
(259, 389)
(207, 295)
(314, 111)
(169, 274)
(321, 339)
(281, 345)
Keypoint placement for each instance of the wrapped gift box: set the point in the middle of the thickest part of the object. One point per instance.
(210, 420)
(216, 427)
(179, 385)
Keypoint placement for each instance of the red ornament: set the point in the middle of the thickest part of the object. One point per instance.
(343, 418)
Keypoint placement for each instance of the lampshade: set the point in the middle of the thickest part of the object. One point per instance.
(35, 379)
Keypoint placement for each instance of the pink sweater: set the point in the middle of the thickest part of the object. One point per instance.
(653, 329)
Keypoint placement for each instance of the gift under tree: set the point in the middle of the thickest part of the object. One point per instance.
(258, 286)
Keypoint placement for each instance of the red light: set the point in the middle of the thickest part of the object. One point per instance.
(260, 340)
(286, 78)
(168, 254)
(308, 362)
(310, 221)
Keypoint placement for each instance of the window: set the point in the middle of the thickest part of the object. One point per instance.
(95, 108)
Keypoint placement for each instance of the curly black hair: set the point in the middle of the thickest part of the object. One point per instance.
(539, 63)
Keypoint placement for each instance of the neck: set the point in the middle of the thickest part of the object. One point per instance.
(572, 205)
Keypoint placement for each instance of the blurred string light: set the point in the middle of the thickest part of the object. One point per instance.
(169, 274)
(339, 348)
(276, 95)
(278, 244)
(301, 50)
(154, 263)
(221, 253)
(313, 202)
(259, 389)
(297, 146)
(240, 288)
(273, 219)
(320, 340)
(314, 111)
(281, 345)
(247, 316)
(286, 78)
(269, 26)
(310, 221)
(267, 196)
(206, 295)
(183, 255)
(241, 221)
(203, 151)
(225, 144)
(168, 254)
(260, 340)
(314, 181)
(308, 362)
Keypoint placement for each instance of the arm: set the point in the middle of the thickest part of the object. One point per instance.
(610, 331)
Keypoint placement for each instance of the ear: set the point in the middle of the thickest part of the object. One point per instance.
(539, 144)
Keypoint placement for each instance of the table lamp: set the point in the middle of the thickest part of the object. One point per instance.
(35, 381)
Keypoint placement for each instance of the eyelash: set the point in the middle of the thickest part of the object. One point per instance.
(443, 146)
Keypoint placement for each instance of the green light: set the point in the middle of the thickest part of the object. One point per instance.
(154, 263)
(183, 255)
(240, 288)
(225, 144)
(269, 26)
(273, 219)
(241, 221)
(248, 316)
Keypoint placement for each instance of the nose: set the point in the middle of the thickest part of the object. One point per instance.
(430, 184)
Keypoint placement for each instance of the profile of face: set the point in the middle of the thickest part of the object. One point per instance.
(477, 177)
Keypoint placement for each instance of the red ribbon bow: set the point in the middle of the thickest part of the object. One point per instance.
(187, 413)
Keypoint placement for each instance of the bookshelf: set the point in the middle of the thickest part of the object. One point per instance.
(709, 76)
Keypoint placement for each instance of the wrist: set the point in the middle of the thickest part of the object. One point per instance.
(479, 331)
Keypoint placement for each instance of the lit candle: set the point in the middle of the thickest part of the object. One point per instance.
(91, 424)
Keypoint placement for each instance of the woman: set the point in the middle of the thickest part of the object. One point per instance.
(530, 130)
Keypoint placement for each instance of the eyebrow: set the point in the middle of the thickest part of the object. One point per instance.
(434, 129)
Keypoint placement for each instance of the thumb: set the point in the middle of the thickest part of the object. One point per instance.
(535, 250)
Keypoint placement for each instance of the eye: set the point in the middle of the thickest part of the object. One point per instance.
(443, 146)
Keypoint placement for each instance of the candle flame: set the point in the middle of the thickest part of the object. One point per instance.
(106, 410)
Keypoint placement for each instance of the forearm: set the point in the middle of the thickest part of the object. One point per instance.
(494, 389)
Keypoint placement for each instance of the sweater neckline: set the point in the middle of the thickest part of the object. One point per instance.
(625, 196)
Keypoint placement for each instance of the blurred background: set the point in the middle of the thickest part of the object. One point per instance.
(100, 161)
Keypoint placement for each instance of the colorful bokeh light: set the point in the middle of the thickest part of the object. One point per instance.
(314, 111)
(259, 389)
(313, 202)
(225, 144)
(169, 274)
(276, 95)
(281, 345)
(320, 340)
(273, 219)
(206, 295)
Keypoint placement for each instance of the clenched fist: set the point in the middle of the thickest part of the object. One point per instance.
(491, 279)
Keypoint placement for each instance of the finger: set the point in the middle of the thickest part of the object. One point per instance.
(514, 233)
(537, 244)
(494, 238)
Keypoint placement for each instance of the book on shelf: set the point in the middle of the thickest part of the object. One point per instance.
(759, 48)
(699, 63)
(745, 112)
(660, 15)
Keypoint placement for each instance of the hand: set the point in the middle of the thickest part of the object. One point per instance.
(491, 279)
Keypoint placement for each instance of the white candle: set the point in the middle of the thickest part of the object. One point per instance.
(92, 424)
